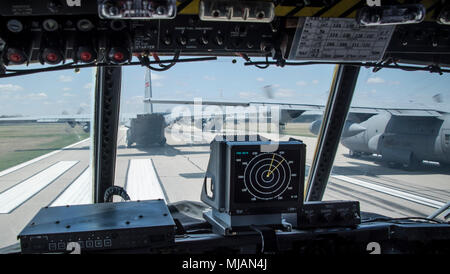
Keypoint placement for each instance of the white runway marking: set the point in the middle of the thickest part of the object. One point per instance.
(142, 181)
(392, 192)
(20, 193)
(32, 161)
(78, 193)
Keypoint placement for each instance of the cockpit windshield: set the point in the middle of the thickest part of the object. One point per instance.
(393, 157)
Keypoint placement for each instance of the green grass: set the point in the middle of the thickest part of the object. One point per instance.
(22, 142)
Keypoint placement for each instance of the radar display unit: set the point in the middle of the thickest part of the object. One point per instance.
(252, 182)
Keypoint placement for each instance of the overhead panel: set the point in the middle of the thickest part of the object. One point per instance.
(337, 9)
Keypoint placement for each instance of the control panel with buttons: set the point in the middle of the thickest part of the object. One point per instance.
(329, 214)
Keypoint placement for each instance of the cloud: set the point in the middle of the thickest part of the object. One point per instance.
(42, 94)
(88, 86)
(301, 83)
(10, 88)
(66, 89)
(65, 78)
(68, 94)
(156, 77)
(395, 83)
(246, 94)
(135, 100)
(283, 92)
(375, 80)
(34, 96)
(260, 79)
(84, 105)
(315, 82)
(209, 78)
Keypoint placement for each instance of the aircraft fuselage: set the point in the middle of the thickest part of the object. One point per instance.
(403, 139)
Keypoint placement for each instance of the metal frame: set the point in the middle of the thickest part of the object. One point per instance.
(335, 113)
(104, 129)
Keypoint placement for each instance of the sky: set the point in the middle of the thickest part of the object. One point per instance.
(52, 93)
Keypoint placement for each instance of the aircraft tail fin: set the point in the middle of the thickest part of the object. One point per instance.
(148, 106)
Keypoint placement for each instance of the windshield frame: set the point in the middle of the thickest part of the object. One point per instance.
(335, 113)
(104, 136)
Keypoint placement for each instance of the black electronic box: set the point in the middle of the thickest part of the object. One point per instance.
(99, 227)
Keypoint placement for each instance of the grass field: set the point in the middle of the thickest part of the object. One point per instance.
(22, 142)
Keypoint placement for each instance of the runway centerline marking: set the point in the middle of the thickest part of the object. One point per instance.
(32, 161)
(15, 196)
(392, 192)
(79, 192)
(142, 181)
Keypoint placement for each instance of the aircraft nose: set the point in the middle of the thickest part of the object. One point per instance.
(350, 129)
(314, 127)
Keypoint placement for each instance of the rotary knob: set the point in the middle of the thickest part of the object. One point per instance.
(219, 40)
(182, 40)
(204, 40)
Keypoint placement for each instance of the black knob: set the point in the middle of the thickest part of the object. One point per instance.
(266, 47)
(150, 32)
(219, 40)
(54, 6)
(183, 40)
(14, 25)
(167, 40)
(327, 217)
(204, 40)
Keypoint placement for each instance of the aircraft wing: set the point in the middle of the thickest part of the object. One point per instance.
(191, 102)
(286, 106)
(357, 114)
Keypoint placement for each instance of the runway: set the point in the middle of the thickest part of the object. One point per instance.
(175, 172)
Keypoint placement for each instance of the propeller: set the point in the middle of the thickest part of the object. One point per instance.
(268, 90)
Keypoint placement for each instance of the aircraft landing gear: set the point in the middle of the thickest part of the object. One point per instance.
(129, 140)
(354, 154)
(413, 164)
(162, 141)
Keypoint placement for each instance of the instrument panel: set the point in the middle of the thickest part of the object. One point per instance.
(255, 176)
(95, 32)
(251, 180)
